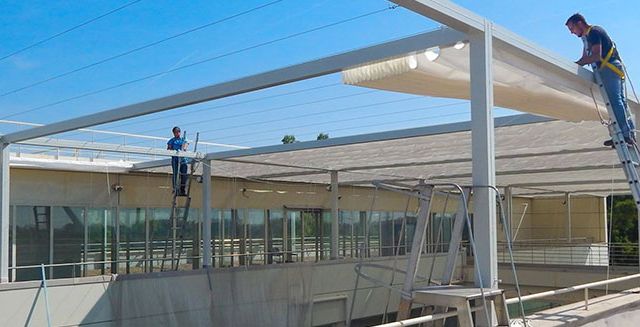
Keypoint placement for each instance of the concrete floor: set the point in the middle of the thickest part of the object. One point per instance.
(619, 309)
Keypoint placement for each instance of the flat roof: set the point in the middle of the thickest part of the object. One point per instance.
(535, 155)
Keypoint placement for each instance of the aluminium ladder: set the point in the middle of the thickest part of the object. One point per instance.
(178, 219)
(627, 153)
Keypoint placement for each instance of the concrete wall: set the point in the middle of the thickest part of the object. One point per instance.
(549, 218)
(276, 295)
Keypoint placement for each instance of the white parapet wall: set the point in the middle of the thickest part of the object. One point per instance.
(595, 254)
(302, 294)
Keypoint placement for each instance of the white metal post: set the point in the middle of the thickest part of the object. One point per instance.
(567, 201)
(413, 262)
(483, 158)
(334, 215)
(508, 197)
(206, 213)
(4, 213)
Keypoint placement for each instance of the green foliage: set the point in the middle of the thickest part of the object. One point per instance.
(625, 220)
(624, 231)
(287, 139)
(322, 136)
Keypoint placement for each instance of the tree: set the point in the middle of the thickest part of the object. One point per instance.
(322, 136)
(624, 231)
(287, 139)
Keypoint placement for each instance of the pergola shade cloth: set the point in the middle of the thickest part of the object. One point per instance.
(519, 83)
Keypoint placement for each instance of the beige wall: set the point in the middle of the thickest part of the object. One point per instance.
(545, 218)
(588, 220)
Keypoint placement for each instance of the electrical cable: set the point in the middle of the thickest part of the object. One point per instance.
(67, 31)
(134, 50)
(112, 87)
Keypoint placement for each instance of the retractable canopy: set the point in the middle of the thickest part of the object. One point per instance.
(519, 83)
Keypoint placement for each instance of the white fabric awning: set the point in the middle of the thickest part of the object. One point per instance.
(519, 83)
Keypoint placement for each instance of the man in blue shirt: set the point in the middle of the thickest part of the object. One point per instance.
(178, 164)
(600, 50)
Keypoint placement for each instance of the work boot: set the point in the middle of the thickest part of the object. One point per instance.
(628, 140)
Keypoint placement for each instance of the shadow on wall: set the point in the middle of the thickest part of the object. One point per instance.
(259, 297)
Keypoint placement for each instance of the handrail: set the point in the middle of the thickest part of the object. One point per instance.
(427, 318)
(573, 288)
(91, 130)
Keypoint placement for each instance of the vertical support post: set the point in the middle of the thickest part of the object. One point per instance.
(406, 298)
(456, 237)
(483, 159)
(334, 215)
(4, 213)
(508, 197)
(206, 213)
(567, 227)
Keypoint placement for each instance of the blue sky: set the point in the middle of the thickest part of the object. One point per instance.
(259, 118)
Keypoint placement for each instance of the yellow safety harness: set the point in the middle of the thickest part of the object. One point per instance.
(604, 62)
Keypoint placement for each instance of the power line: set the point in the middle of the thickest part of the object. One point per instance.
(319, 113)
(68, 30)
(273, 109)
(192, 64)
(374, 125)
(314, 114)
(349, 119)
(128, 52)
(228, 105)
(217, 119)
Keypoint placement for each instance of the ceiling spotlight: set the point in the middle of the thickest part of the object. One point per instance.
(432, 53)
(459, 45)
(412, 61)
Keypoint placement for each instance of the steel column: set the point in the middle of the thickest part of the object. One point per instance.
(206, 213)
(4, 213)
(406, 298)
(483, 158)
(334, 215)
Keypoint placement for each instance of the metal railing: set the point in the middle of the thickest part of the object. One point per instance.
(453, 312)
(564, 253)
(584, 287)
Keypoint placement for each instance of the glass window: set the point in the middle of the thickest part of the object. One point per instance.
(68, 240)
(374, 234)
(276, 236)
(32, 241)
(132, 240)
(99, 240)
(255, 236)
(220, 233)
(160, 234)
(387, 233)
(294, 239)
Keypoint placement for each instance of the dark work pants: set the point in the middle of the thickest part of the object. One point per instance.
(178, 166)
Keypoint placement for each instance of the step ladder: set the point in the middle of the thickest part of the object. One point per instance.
(174, 242)
(628, 154)
(444, 295)
(41, 217)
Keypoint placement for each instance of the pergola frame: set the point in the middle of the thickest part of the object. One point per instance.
(463, 26)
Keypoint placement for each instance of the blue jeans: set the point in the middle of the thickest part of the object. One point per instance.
(177, 165)
(614, 86)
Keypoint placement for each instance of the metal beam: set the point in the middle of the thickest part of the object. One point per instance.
(4, 213)
(483, 161)
(355, 139)
(531, 171)
(462, 19)
(107, 147)
(334, 215)
(206, 214)
(294, 73)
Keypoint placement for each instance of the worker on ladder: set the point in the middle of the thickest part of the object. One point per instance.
(601, 50)
(178, 164)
